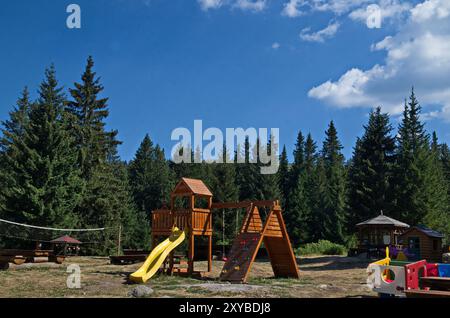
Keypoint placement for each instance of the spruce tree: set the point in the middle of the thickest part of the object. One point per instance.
(296, 205)
(299, 159)
(107, 200)
(150, 177)
(415, 178)
(370, 173)
(438, 215)
(283, 176)
(311, 189)
(44, 178)
(268, 181)
(91, 111)
(248, 176)
(225, 189)
(12, 130)
(332, 206)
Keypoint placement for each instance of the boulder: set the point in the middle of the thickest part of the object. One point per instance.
(140, 291)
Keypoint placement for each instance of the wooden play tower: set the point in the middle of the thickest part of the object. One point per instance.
(185, 213)
(191, 210)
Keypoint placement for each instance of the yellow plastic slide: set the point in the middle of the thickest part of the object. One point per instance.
(157, 256)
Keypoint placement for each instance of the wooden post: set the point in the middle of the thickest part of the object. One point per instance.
(209, 253)
(119, 240)
(191, 253)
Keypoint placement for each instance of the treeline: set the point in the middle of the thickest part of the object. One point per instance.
(59, 167)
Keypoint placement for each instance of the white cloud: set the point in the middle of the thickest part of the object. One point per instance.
(320, 36)
(429, 9)
(250, 5)
(418, 54)
(292, 8)
(244, 5)
(210, 4)
(276, 45)
(336, 6)
(374, 14)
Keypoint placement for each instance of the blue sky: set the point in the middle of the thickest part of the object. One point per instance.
(292, 64)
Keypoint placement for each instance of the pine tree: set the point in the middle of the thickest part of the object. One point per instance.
(438, 215)
(311, 189)
(225, 189)
(14, 128)
(150, 177)
(283, 176)
(112, 207)
(296, 205)
(107, 200)
(370, 173)
(93, 141)
(445, 161)
(248, 176)
(331, 210)
(416, 185)
(12, 131)
(44, 181)
(268, 181)
(299, 159)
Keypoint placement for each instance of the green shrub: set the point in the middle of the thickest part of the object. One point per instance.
(351, 241)
(323, 247)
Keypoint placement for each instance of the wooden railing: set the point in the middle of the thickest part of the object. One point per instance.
(181, 218)
(164, 220)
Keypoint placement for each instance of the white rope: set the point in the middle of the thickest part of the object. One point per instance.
(52, 229)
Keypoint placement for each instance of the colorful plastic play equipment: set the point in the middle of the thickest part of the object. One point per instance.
(190, 216)
(396, 278)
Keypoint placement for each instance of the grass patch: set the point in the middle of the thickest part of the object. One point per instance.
(323, 247)
(285, 282)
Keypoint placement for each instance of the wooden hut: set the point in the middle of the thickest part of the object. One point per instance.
(422, 243)
(377, 233)
(66, 245)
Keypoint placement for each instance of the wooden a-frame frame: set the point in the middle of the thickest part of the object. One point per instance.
(252, 234)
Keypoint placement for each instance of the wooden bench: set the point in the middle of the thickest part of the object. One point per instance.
(436, 283)
(19, 257)
(427, 294)
(18, 260)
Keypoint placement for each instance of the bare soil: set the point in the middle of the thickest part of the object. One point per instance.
(321, 276)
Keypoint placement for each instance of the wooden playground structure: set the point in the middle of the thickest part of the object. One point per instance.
(191, 209)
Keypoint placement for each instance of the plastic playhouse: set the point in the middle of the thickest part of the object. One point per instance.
(190, 216)
(395, 278)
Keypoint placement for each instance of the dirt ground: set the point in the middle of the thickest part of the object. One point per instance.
(321, 276)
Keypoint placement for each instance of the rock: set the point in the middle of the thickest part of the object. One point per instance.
(446, 258)
(141, 291)
(323, 286)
